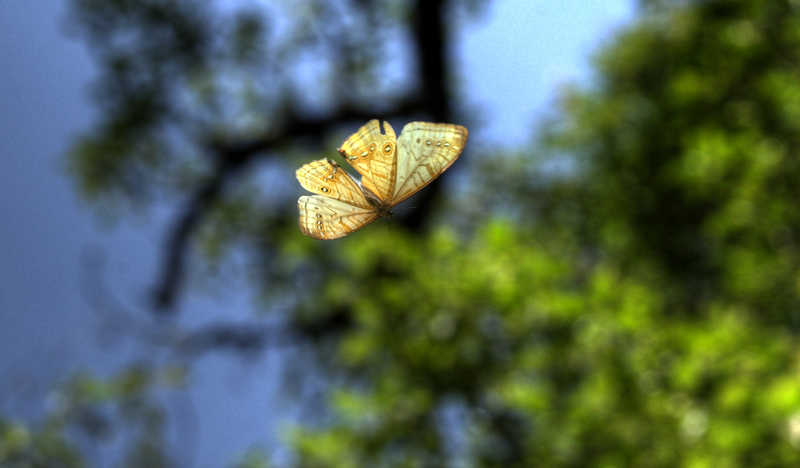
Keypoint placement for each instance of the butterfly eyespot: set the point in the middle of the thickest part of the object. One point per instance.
(371, 148)
(438, 144)
(429, 143)
(319, 215)
(387, 148)
(364, 153)
(324, 189)
(446, 144)
(419, 140)
(352, 158)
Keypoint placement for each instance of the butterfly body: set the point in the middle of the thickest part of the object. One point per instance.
(391, 170)
(381, 209)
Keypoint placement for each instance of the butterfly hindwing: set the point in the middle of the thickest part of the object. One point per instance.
(327, 218)
(425, 150)
(374, 155)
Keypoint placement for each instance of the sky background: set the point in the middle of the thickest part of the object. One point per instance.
(513, 60)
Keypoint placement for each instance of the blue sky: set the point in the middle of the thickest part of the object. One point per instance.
(513, 60)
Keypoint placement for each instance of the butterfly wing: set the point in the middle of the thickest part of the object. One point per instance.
(325, 177)
(374, 155)
(425, 150)
(342, 207)
(327, 218)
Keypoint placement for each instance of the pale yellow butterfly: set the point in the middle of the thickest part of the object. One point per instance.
(391, 170)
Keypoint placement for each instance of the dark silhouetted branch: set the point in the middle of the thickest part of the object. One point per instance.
(433, 100)
(231, 157)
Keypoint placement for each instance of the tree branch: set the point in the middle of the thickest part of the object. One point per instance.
(433, 100)
(232, 157)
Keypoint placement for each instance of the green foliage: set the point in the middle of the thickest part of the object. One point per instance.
(22, 447)
(148, 51)
(123, 411)
(586, 365)
(689, 156)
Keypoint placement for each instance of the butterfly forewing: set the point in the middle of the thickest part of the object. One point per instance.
(326, 218)
(325, 177)
(374, 155)
(425, 150)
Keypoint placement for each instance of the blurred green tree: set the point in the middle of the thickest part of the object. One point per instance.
(639, 305)
(625, 294)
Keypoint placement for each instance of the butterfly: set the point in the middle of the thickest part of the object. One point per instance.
(391, 170)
